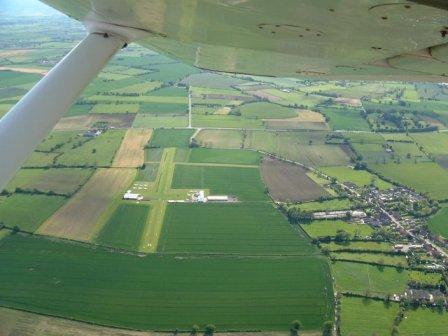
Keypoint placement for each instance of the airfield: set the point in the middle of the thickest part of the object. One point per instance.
(78, 258)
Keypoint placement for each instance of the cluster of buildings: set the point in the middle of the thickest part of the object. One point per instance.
(355, 214)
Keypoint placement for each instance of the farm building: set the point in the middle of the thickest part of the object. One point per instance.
(132, 197)
(92, 133)
(339, 214)
(218, 198)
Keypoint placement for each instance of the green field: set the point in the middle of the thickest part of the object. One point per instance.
(438, 224)
(363, 278)
(359, 246)
(220, 138)
(143, 120)
(334, 204)
(60, 181)
(148, 173)
(359, 177)
(245, 183)
(361, 317)
(264, 110)
(323, 228)
(345, 119)
(124, 228)
(424, 321)
(242, 228)
(98, 151)
(308, 148)
(424, 177)
(375, 258)
(28, 212)
(163, 292)
(163, 138)
(224, 156)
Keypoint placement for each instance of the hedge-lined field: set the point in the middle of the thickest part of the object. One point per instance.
(163, 293)
(124, 228)
(243, 228)
(245, 183)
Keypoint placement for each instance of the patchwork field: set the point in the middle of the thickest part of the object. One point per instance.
(125, 227)
(98, 152)
(245, 183)
(131, 153)
(361, 317)
(289, 182)
(424, 177)
(224, 156)
(28, 212)
(359, 177)
(162, 293)
(80, 218)
(243, 228)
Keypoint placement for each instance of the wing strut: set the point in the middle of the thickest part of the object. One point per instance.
(35, 115)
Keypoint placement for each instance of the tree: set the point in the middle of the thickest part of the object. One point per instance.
(210, 329)
(394, 331)
(194, 329)
(342, 236)
(327, 329)
(296, 325)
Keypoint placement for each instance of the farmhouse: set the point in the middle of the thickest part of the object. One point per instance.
(132, 197)
(92, 133)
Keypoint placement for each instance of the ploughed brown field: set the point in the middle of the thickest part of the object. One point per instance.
(289, 182)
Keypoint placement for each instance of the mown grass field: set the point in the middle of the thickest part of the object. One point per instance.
(363, 278)
(334, 204)
(424, 321)
(28, 212)
(323, 228)
(171, 138)
(124, 227)
(245, 183)
(163, 293)
(438, 224)
(224, 156)
(243, 228)
(361, 317)
(424, 177)
(359, 177)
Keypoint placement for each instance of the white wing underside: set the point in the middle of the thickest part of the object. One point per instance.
(333, 39)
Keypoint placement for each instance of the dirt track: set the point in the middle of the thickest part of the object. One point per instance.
(131, 153)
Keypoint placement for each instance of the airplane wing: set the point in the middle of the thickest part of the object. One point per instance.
(329, 39)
